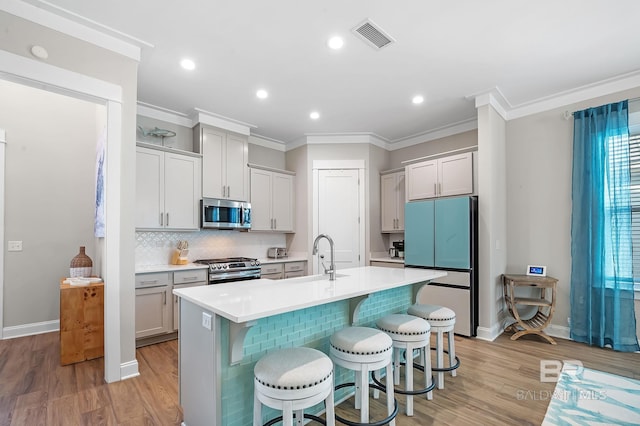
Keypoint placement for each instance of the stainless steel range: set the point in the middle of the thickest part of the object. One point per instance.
(231, 269)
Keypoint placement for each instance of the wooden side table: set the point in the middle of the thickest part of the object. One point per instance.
(81, 322)
(546, 306)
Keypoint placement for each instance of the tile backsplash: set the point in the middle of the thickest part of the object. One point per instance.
(155, 248)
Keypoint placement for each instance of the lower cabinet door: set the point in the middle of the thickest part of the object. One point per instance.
(294, 274)
(176, 302)
(153, 306)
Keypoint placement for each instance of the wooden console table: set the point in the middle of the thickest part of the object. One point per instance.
(81, 322)
(546, 306)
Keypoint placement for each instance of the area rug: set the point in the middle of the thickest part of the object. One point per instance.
(589, 397)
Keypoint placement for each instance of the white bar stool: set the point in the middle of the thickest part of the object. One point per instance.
(409, 332)
(291, 380)
(442, 320)
(364, 350)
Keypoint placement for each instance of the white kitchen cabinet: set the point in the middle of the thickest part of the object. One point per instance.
(392, 199)
(272, 271)
(446, 176)
(184, 279)
(153, 311)
(224, 163)
(167, 190)
(271, 200)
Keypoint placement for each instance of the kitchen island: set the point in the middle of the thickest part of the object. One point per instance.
(226, 328)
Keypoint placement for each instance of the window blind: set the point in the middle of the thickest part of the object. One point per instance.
(634, 165)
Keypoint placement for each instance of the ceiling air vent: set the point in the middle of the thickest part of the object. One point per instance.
(372, 34)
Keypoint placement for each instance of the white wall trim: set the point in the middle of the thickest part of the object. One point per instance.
(30, 329)
(338, 164)
(74, 29)
(558, 331)
(580, 94)
(164, 114)
(37, 74)
(29, 71)
(490, 334)
(3, 146)
(129, 369)
(439, 133)
(267, 142)
(217, 120)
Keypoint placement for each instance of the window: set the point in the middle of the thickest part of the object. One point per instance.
(634, 165)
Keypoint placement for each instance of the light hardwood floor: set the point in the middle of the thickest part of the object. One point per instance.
(498, 383)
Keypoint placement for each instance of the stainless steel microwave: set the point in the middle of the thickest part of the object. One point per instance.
(225, 214)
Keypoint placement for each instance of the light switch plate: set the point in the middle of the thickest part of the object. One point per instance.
(14, 246)
(206, 320)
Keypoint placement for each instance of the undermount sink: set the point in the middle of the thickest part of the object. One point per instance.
(310, 278)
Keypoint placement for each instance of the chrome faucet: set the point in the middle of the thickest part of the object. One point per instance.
(332, 270)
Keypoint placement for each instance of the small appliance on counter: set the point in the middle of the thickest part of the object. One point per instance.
(399, 248)
(277, 252)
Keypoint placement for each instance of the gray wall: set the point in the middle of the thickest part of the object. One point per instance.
(18, 35)
(539, 163)
(449, 143)
(50, 195)
(182, 140)
(266, 157)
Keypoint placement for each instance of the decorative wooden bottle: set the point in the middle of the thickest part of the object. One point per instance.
(81, 265)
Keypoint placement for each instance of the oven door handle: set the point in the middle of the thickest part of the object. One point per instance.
(242, 215)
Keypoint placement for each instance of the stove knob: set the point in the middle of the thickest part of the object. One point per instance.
(253, 263)
(225, 266)
(257, 263)
(218, 266)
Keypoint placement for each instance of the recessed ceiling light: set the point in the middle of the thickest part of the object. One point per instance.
(188, 64)
(314, 115)
(335, 43)
(418, 99)
(262, 94)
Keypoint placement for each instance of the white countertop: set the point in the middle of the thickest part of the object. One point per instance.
(243, 301)
(387, 258)
(144, 269)
(270, 260)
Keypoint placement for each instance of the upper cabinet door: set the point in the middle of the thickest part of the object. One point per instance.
(282, 202)
(261, 218)
(212, 163)
(455, 174)
(422, 180)
(182, 191)
(236, 167)
(149, 188)
(392, 199)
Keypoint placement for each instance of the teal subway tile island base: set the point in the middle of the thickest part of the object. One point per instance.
(214, 389)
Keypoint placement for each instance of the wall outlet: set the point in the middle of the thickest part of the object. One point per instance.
(14, 246)
(206, 320)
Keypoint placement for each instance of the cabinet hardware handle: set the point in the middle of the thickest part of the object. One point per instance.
(164, 298)
(189, 278)
(167, 219)
(439, 189)
(175, 299)
(275, 223)
(435, 188)
(229, 191)
(149, 282)
(224, 191)
(161, 219)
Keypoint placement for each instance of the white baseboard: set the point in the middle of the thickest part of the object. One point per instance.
(129, 370)
(30, 329)
(558, 331)
(492, 333)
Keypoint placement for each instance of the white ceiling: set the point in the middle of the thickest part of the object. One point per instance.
(448, 51)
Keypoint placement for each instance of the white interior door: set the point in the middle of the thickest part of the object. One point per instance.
(339, 212)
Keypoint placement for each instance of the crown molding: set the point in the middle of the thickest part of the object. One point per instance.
(71, 27)
(439, 133)
(267, 142)
(212, 119)
(164, 114)
(584, 93)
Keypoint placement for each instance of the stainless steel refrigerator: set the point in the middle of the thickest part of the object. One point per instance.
(443, 234)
